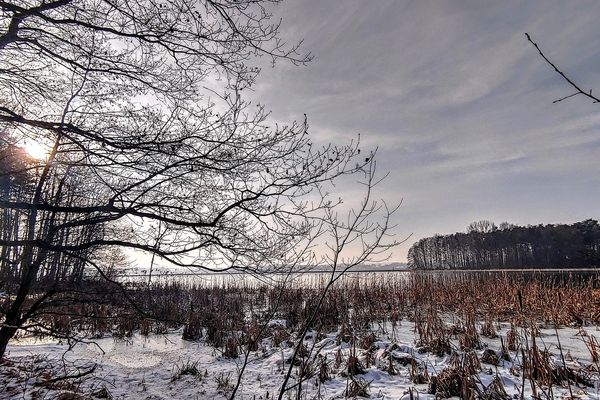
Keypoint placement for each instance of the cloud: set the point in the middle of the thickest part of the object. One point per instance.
(457, 100)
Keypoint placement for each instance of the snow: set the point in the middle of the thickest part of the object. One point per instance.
(167, 367)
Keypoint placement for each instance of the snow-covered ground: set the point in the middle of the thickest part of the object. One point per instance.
(167, 367)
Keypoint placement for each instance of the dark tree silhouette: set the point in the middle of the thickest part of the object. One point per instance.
(140, 106)
(511, 246)
(483, 226)
(540, 246)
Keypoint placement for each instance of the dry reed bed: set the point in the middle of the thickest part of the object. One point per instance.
(450, 311)
(357, 301)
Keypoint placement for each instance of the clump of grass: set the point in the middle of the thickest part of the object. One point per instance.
(536, 366)
(230, 349)
(186, 368)
(339, 358)
(358, 387)
(223, 381)
(512, 338)
(367, 340)
(192, 330)
(391, 368)
(307, 369)
(591, 343)
(354, 366)
(279, 335)
(448, 383)
(252, 335)
(418, 373)
(469, 340)
(457, 379)
(495, 390)
(489, 356)
(432, 332)
(324, 370)
(488, 329)
(344, 335)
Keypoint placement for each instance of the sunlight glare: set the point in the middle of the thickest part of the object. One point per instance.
(36, 150)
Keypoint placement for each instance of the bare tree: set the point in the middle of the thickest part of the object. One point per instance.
(483, 226)
(359, 235)
(151, 146)
(350, 240)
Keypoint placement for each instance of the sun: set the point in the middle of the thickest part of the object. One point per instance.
(36, 150)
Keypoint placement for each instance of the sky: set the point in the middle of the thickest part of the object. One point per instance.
(457, 102)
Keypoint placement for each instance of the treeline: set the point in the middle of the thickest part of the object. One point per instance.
(487, 246)
(54, 264)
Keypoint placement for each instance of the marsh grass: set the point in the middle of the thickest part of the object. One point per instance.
(450, 313)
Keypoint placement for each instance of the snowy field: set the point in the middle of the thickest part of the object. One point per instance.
(390, 366)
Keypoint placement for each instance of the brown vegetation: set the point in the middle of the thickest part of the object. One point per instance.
(450, 313)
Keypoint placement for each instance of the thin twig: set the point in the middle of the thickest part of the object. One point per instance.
(579, 90)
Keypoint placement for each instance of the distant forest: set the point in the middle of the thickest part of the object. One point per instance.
(487, 246)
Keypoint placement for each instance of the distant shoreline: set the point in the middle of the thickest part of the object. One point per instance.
(363, 271)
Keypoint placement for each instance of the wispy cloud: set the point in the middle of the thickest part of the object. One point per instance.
(457, 100)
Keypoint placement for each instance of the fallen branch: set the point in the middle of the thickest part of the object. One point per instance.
(74, 376)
